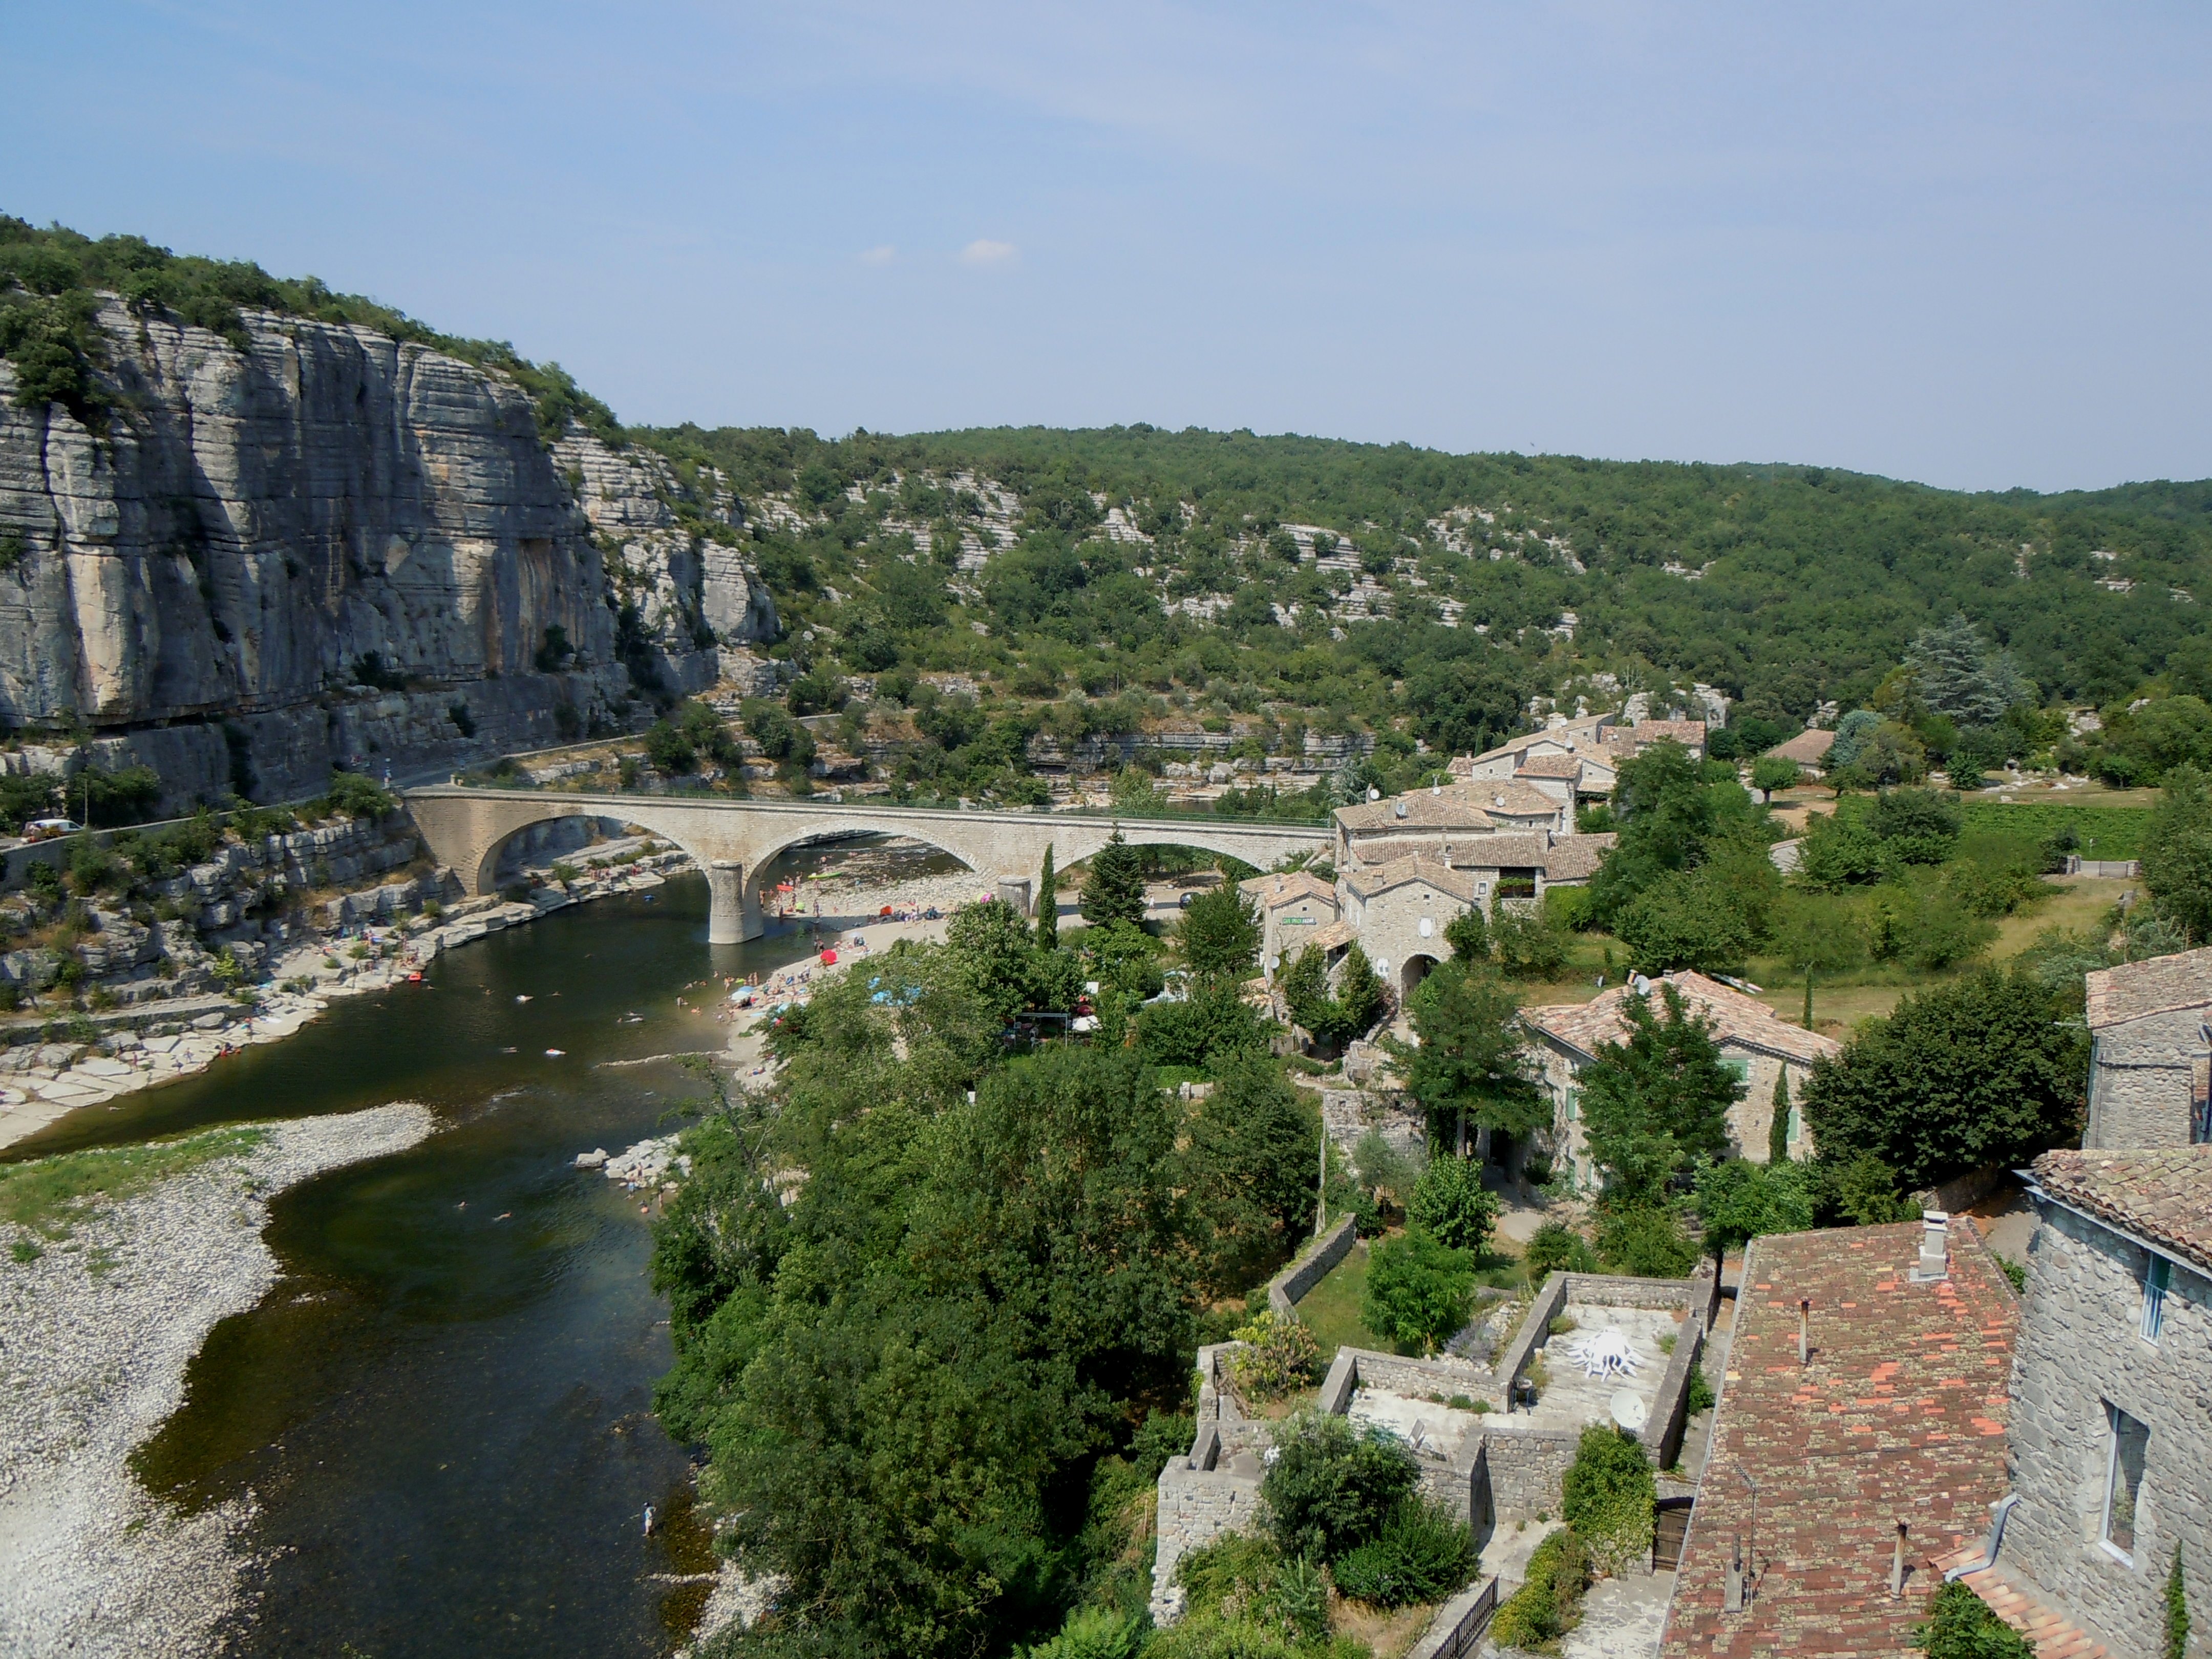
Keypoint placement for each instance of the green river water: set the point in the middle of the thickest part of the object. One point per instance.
(443, 1408)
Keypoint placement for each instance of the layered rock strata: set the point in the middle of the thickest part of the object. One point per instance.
(334, 547)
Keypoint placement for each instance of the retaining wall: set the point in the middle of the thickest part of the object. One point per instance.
(1289, 1287)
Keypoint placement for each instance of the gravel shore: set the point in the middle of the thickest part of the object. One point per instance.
(95, 1340)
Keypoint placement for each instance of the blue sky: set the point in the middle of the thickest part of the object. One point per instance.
(1964, 244)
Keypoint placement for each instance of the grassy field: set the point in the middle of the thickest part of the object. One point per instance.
(1331, 1309)
(46, 1195)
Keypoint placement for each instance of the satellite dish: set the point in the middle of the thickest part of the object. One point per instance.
(1629, 1409)
(1375, 794)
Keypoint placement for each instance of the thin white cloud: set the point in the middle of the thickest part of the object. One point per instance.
(879, 256)
(985, 252)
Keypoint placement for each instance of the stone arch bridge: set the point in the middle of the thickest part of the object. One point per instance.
(733, 841)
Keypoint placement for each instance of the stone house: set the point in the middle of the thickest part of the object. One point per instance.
(1857, 1446)
(2111, 1434)
(1398, 912)
(1294, 906)
(2150, 1073)
(1809, 749)
(1755, 1044)
(1444, 819)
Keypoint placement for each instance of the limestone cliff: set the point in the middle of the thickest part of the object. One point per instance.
(331, 546)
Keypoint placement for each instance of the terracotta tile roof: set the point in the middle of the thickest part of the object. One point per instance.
(2162, 1194)
(1272, 892)
(1375, 878)
(1329, 937)
(1901, 1413)
(1807, 748)
(1689, 733)
(1576, 858)
(2136, 989)
(1505, 796)
(1450, 809)
(2026, 1607)
(1551, 766)
(1734, 1016)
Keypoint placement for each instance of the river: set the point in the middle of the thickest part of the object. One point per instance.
(443, 1410)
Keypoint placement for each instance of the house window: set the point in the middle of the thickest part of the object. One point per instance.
(1428, 927)
(1737, 1066)
(2123, 1475)
(2156, 1277)
(1797, 1124)
(1574, 1104)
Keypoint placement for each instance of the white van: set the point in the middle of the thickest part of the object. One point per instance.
(40, 829)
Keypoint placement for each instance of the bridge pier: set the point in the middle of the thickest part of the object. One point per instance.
(726, 907)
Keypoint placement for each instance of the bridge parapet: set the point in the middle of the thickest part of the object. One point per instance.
(733, 841)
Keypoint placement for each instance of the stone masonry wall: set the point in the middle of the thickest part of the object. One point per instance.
(2140, 1080)
(2079, 1349)
(1527, 1468)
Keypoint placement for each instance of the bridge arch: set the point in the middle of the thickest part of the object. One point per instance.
(733, 840)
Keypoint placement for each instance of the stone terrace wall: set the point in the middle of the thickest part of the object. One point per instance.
(1196, 1506)
(1527, 1468)
(1289, 1287)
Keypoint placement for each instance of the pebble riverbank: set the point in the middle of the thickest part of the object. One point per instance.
(95, 1335)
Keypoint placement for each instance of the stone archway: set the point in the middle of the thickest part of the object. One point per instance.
(1410, 976)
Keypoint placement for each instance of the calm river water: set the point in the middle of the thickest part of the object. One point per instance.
(443, 1409)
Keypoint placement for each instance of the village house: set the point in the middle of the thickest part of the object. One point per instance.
(1294, 906)
(1443, 818)
(2110, 1429)
(1809, 749)
(1857, 1444)
(1755, 1044)
(2150, 1073)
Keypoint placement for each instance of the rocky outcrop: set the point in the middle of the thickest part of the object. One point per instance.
(332, 547)
(697, 594)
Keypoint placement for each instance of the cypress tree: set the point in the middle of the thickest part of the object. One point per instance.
(1047, 922)
(1778, 1132)
(1114, 890)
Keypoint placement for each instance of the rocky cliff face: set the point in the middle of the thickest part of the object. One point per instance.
(332, 547)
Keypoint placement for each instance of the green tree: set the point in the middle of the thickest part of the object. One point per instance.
(1659, 1101)
(1334, 1484)
(1644, 1240)
(1114, 888)
(1219, 933)
(1213, 1020)
(2177, 851)
(1332, 1019)
(1470, 1060)
(1254, 1144)
(1687, 919)
(1738, 1200)
(993, 950)
(1771, 772)
(1449, 1203)
(1047, 916)
(1418, 1290)
(1468, 935)
(1956, 674)
(1777, 1127)
(1987, 1069)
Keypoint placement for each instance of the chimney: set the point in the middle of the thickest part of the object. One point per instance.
(1804, 1330)
(1935, 1248)
(1732, 1584)
(1897, 1565)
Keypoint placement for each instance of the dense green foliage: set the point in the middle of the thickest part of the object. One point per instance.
(1990, 1069)
(1449, 1203)
(1961, 1626)
(1654, 1105)
(1219, 933)
(1469, 1065)
(1548, 1604)
(1607, 1496)
(1332, 1018)
(903, 1377)
(1418, 1290)
(1738, 1200)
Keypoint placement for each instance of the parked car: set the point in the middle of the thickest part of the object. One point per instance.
(44, 829)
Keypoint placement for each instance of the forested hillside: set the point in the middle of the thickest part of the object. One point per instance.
(1783, 586)
(1068, 584)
